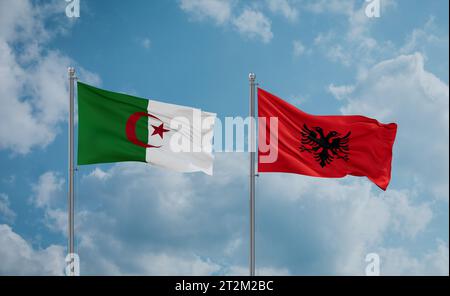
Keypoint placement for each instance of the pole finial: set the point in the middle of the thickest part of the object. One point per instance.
(71, 71)
(251, 76)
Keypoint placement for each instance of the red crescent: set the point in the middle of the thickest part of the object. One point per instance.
(131, 129)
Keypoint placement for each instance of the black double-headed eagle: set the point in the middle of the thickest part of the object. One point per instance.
(324, 148)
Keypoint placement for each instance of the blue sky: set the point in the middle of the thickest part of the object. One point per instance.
(326, 57)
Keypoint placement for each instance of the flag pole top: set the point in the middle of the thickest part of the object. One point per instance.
(71, 71)
(251, 76)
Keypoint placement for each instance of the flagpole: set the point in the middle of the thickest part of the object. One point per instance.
(71, 206)
(252, 78)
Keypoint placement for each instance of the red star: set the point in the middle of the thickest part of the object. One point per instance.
(159, 130)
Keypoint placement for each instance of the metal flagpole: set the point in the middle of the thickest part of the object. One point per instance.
(252, 78)
(71, 170)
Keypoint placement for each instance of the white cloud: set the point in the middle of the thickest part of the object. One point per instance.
(401, 90)
(217, 10)
(408, 220)
(164, 264)
(254, 24)
(112, 242)
(299, 48)
(32, 131)
(48, 87)
(352, 43)
(49, 195)
(285, 8)
(344, 7)
(99, 174)
(390, 211)
(55, 219)
(434, 262)
(250, 22)
(264, 271)
(47, 189)
(340, 92)
(16, 15)
(33, 81)
(6, 213)
(145, 214)
(420, 38)
(18, 257)
(140, 214)
(348, 213)
(433, 44)
(356, 46)
(333, 50)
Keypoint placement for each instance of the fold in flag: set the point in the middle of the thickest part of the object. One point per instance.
(115, 127)
(325, 146)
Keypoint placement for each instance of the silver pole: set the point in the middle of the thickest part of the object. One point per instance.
(252, 78)
(71, 208)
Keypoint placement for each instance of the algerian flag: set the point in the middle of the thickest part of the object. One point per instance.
(115, 127)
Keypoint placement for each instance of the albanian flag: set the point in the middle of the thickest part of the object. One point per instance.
(324, 146)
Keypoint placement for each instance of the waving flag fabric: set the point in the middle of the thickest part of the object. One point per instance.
(114, 127)
(326, 146)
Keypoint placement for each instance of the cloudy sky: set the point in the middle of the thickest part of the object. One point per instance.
(324, 56)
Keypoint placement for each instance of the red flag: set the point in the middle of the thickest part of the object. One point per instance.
(323, 146)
